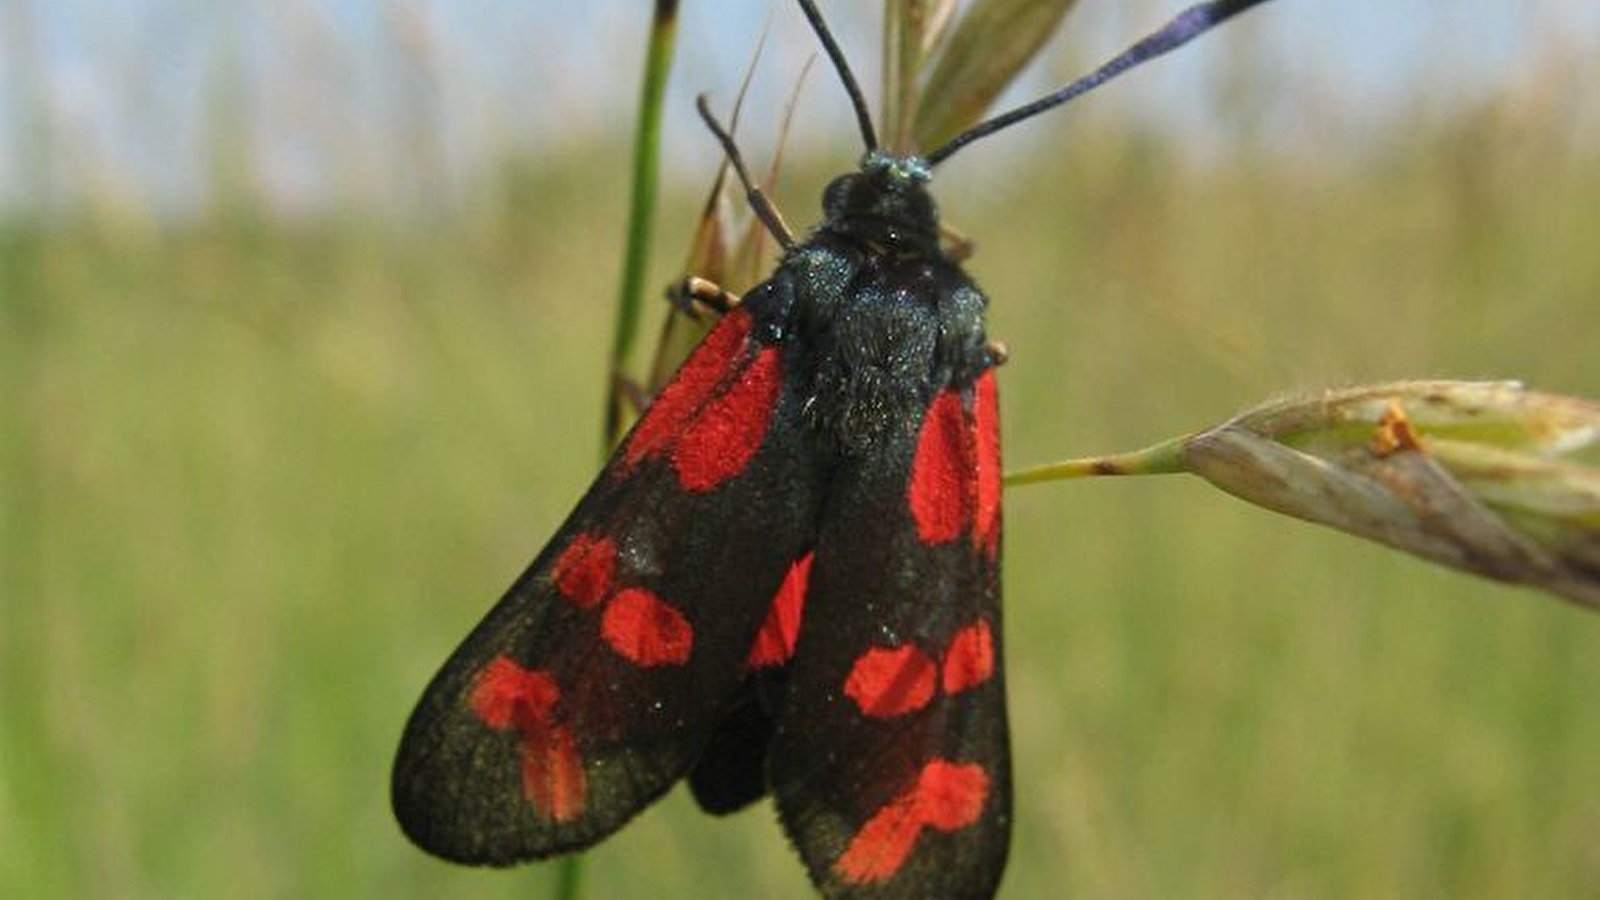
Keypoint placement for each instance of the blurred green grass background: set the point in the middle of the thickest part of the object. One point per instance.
(268, 473)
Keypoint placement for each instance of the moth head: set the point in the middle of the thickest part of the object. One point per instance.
(885, 204)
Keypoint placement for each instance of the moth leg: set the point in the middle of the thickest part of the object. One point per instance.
(631, 393)
(957, 247)
(695, 296)
(998, 352)
(759, 202)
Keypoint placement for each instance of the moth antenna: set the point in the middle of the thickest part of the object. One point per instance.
(1183, 27)
(858, 100)
(759, 202)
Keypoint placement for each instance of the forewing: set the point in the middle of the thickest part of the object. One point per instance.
(890, 759)
(598, 678)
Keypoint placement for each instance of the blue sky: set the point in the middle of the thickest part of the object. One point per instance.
(343, 98)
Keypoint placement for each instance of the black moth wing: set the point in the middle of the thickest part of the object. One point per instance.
(595, 682)
(890, 757)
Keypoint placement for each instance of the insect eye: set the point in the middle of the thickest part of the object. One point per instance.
(837, 196)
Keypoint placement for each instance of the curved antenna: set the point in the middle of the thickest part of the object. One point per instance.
(1183, 27)
(857, 99)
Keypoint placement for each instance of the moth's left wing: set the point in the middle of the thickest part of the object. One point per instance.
(889, 759)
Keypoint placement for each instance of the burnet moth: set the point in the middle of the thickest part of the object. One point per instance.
(785, 580)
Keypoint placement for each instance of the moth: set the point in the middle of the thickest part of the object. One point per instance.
(786, 579)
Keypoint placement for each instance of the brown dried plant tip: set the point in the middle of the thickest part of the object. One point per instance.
(1394, 432)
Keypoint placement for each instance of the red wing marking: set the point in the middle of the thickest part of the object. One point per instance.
(950, 796)
(986, 421)
(947, 796)
(647, 630)
(955, 475)
(888, 682)
(711, 419)
(586, 570)
(507, 696)
(970, 660)
(774, 644)
(640, 626)
(895, 681)
(939, 497)
(725, 435)
(552, 773)
(882, 845)
(691, 389)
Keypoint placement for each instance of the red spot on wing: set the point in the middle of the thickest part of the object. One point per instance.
(507, 696)
(941, 472)
(882, 845)
(887, 682)
(552, 772)
(586, 569)
(951, 796)
(646, 630)
(639, 625)
(713, 416)
(970, 660)
(694, 385)
(947, 796)
(774, 644)
(986, 422)
(725, 435)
